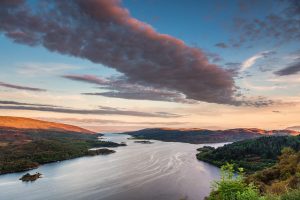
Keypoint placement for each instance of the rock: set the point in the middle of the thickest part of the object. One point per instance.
(143, 142)
(103, 151)
(28, 177)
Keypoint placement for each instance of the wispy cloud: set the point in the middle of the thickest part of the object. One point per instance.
(289, 70)
(119, 87)
(38, 69)
(21, 87)
(249, 85)
(221, 45)
(285, 79)
(93, 122)
(24, 104)
(252, 60)
(12, 105)
(88, 79)
(297, 128)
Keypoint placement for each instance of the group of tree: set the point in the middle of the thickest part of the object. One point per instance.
(252, 155)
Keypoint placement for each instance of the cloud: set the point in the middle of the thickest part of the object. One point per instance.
(104, 32)
(40, 69)
(289, 70)
(258, 102)
(249, 62)
(285, 79)
(19, 87)
(119, 87)
(297, 128)
(145, 95)
(101, 111)
(233, 64)
(24, 104)
(262, 88)
(104, 121)
(213, 57)
(88, 79)
(280, 26)
(221, 45)
(252, 60)
(276, 111)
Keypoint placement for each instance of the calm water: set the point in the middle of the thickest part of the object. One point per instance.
(159, 171)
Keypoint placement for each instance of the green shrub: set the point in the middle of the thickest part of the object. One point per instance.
(233, 187)
(292, 195)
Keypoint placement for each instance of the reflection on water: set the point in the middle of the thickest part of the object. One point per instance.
(160, 171)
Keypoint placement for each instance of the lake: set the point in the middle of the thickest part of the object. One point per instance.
(158, 171)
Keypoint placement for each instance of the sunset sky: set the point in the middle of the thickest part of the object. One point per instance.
(111, 65)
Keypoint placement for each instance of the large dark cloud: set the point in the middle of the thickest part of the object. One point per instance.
(289, 70)
(104, 32)
(20, 87)
(100, 111)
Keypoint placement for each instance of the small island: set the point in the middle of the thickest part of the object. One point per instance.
(30, 178)
(143, 142)
(103, 151)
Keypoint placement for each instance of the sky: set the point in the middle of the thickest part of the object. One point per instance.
(112, 65)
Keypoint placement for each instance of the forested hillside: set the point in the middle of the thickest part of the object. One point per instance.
(252, 155)
(25, 146)
(202, 136)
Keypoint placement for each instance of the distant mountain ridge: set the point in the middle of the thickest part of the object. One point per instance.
(28, 123)
(200, 136)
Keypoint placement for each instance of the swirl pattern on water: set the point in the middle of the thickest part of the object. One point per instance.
(162, 171)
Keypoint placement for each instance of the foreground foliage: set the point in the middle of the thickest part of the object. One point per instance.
(252, 155)
(280, 182)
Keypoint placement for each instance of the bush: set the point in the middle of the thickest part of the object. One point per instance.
(233, 187)
(292, 195)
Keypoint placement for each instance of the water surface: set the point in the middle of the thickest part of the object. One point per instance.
(158, 171)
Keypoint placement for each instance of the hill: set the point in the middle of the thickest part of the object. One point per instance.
(27, 123)
(201, 136)
(252, 155)
(27, 143)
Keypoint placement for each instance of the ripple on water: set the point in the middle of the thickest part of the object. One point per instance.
(161, 171)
